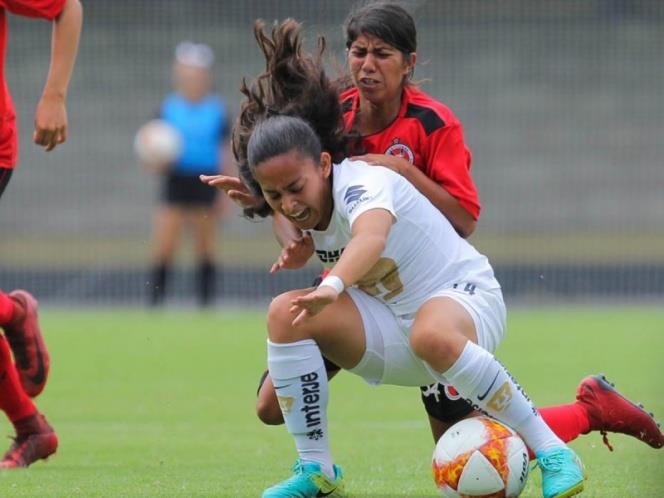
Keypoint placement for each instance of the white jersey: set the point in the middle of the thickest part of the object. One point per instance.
(423, 253)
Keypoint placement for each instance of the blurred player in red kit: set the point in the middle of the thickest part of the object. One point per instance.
(24, 359)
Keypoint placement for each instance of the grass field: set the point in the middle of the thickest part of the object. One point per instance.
(161, 404)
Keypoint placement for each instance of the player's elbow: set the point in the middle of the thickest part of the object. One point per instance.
(466, 227)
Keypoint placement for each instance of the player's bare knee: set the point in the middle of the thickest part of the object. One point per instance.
(433, 346)
(279, 318)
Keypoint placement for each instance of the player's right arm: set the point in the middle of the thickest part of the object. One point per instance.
(369, 237)
(51, 114)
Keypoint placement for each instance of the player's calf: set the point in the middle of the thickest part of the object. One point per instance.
(27, 344)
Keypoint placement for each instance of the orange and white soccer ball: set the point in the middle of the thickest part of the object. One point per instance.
(157, 144)
(480, 457)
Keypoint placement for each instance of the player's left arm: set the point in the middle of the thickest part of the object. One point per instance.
(449, 187)
(447, 181)
(51, 114)
(369, 236)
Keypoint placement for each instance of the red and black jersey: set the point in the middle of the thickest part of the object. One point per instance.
(45, 9)
(427, 134)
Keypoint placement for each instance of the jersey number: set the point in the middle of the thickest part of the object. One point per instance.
(383, 280)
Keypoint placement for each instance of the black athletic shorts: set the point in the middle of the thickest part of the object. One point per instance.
(186, 190)
(5, 175)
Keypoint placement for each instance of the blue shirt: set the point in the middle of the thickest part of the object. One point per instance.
(203, 126)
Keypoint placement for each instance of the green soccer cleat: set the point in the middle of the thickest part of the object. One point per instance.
(308, 482)
(562, 473)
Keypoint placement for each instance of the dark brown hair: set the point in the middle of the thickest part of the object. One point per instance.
(293, 83)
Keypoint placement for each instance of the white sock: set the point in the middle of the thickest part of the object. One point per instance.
(300, 380)
(483, 381)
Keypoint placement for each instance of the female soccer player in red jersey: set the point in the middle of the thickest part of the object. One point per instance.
(26, 377)
(401, 127)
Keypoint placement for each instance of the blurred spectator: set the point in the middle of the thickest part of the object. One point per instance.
(201, 118)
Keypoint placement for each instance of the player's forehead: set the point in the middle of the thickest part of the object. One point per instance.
(283, 171)
(369, 41)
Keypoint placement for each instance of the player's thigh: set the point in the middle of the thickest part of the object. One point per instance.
(441, 328)
(485, 309)
(337, 329)
(168, 226)
(204, 221)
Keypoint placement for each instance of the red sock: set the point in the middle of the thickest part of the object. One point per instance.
(6, 309)
(13, 400)
(566, 421)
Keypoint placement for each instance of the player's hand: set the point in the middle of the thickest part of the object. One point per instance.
(295, 255)
(313, 303)
(395, 163)
(234, 188)
(50, 122)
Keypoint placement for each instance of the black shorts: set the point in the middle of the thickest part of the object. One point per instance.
(5, 175)
(186, 190)
(444, 403)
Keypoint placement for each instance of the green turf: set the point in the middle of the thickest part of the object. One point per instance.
(161, 404)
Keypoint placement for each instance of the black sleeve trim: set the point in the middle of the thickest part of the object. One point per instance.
(428, 117)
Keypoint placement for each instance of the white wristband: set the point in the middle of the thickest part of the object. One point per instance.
(335, 282)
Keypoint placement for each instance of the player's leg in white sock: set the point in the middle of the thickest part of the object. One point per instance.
(485, 382)
(300, 381)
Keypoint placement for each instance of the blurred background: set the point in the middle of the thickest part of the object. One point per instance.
(562, 103)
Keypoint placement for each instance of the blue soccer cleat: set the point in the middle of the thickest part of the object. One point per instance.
(309, 481)
(562, 472)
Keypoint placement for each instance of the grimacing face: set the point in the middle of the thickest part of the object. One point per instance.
(378, 69)
(298, 187)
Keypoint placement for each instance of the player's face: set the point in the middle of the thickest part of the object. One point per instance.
(378, 69)
(298, 187)
(192, 82)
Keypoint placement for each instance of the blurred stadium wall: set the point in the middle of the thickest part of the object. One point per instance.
(562, 102)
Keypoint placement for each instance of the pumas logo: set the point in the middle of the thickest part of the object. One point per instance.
(286, 403)
(400, 150)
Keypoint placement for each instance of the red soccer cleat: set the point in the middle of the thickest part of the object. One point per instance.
(610, 411)
(39, 441)
(27, 343)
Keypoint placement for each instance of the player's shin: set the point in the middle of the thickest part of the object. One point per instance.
(301, 385)
(481, 379)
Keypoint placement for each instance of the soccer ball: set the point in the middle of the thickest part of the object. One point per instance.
(157, 144)
(480, 457)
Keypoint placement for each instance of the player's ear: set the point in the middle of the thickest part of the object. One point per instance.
(325, 164)
(409, 64)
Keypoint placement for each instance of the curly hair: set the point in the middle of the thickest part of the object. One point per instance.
(295, 84)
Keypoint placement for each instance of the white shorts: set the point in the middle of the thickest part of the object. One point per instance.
(389, 359)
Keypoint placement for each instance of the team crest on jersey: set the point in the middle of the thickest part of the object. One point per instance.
(400, 150)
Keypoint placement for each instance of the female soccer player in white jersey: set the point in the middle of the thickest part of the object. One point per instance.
(407, 301)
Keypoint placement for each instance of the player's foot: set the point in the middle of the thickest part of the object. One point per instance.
(27, 343)
(36, 440)
(610, 411)
(308, 481)
(562, 473)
